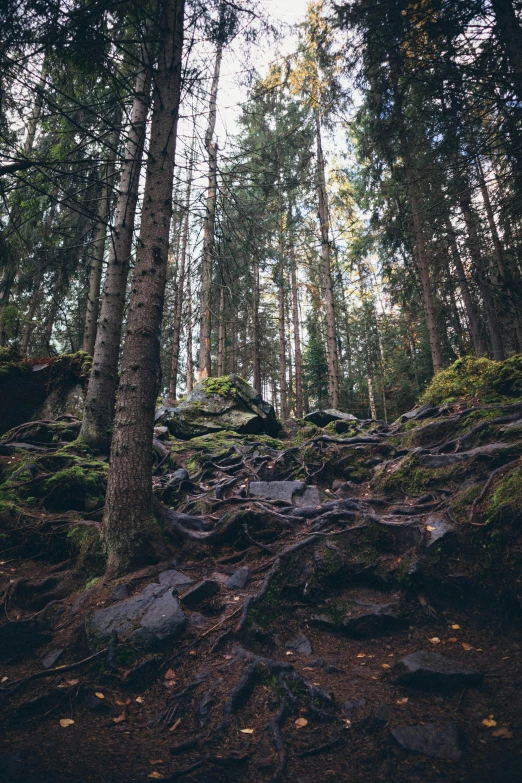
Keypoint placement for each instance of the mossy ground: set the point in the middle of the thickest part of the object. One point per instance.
(475, 378)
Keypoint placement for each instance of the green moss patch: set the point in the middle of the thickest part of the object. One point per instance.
(476, 378)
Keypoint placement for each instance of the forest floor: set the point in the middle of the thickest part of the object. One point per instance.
(412, 544)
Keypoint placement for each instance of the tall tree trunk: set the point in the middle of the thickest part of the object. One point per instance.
(190, 357)
(510, 36)
(331, 338)
(256, 359)
(98, 248)
(221, 332)
(205, 361)
(422, 254)
(478, 263)
(474, 327)
(371, 397)
(297, 337)
(103, 382)
(505, 277)
(9, 271)
(34, 304)
(283, 409)
(128, 528)
(178, 301)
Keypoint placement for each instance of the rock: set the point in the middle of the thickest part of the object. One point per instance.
(318, 663)
(147, 619)
(178, 476)
(161, 433)
(215, 404)
(432, 671)
(436, 528)
(437, 740)
(200, 593)
(50, 658)
(197, 620)
(300, 645)
(295, 492)
(138, 678)
(353, 707)
(120, 592)
(417, 414)
(365, 622)
(239, 578)
(323, 417)
(96, 704)
(19, 637)
(174, 578)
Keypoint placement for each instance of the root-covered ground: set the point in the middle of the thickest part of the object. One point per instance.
(295, 610)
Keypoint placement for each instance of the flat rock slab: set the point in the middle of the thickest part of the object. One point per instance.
(436, 528)
(173, 578)
(366, 622)
(200, 593)
(300, 645)
(437, 740)
(150, 618)
(239, 578)
(19, 637)
(51, 658)
(295, 492)
(432, 671)
(324, 417)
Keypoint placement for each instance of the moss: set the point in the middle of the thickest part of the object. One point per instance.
(476, 378)
(506, 500)
(86, 546)
(90, 583)
(81, 486)
(264, 612)
(223, 386)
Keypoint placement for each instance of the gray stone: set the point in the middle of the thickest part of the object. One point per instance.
(95, 704)
(437, 740)
(120, 592)
(216, 404)
(19, 637)
(323, 417)
(353, 707)
(174, 578)
(239, 578)
(365, 622)
(295, 492)
(432, 671)
(300, 645)
(437, 528)
(150, 618)
(200, 593)
(417, 414)
(50, 658)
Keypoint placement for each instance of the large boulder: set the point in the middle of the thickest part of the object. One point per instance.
(215, 404)
(323, 417)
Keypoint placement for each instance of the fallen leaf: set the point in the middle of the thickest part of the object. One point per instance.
(156, 761)
(120, 718)
(72, 682)
(289, 652)
(402, 701)
(347, 723)
(64, 722)
(452, 639)
(467, 646)
(237, 598)
(4, 679)
(386, 666)
(170, 684)
(120, 703)
(503, 733)
(170, 674)
(175, 725)
(140, 699)
(435, 640)
(246, 731)
(192, 652)
(455, 627)
(155, 775)
(489, 722)
(361, 655)
(99, 695)
(301, 723)
(305, 669)
(430, 528)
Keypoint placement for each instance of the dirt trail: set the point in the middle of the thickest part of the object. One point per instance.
(295, 675)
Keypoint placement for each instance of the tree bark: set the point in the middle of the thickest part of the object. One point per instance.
(128, 528)
(331, 340)
(178, 302)
(103, 382)
(505, 277)
(190, 357)
(256, 359)
(283, 408)
(297, 337)
(478, 263)
(221, 332)
(509, 31)
(98, 248)
(205, 361)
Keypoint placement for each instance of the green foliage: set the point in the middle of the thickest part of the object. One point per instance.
(480, 379)
(506, 501)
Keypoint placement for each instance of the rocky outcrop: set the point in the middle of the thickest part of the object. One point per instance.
(226, 403)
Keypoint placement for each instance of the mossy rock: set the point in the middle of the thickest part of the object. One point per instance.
(478, 379)
(216, 404)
